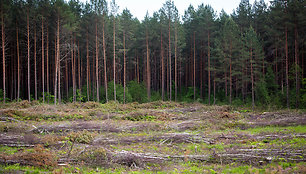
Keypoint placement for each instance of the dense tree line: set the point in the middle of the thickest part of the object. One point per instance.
(58, 51)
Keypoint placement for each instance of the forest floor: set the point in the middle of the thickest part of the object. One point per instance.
(165, 137)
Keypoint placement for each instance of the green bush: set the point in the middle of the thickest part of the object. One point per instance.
(119, 93)
(261, 93)
(138, 92)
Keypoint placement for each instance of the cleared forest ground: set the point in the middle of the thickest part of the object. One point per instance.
(164, 137)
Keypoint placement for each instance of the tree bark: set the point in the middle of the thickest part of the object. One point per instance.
(97, 63)
(3, 54)
(18, 66)
(162, 66)
(175, 62)
(124, 67)
(287, 66)
(170, 78)
(47, 60)
(194, 68)
(114, 47)
(252, 78)
(43, 58)
(230, 75)
(35, 67)
(79, 68)
(148, 68)
(28, 34)
(208, 57)
(104, 59)
(296, 66)
(87, 69)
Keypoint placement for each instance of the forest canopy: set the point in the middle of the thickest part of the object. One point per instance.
(59, 51)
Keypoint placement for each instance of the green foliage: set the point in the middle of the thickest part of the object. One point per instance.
(303, 93)
(262, 95)
(187, 94)
(48, 97)
(138, 92)
(119, 93)
(1, 94)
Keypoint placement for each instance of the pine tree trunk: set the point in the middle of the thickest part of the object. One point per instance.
(47, 60)
(208, 57)
(252, 79)
(114, 47)
(72, 68)
(87, 69)
(58, 64)
(170, 78)
(43, 58)
(194, 68)
(175, 63)
(18, 66)
(28, 34)
(97, 63)
(3, 54)
(67, 79)
(124, 67)
(230, 75)
(148, 69)
(79, 68)
(287, 66)
(35, 67)
(296, 66)
(162, 66)
(104, 58)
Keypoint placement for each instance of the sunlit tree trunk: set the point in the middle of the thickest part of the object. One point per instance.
(124, 67)
(104, 59)
(43, 58)
(18, 66)
(3, 54)
(148, 69)
(28, 34)
(114, 47)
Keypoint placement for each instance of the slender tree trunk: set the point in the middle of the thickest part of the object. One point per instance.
(287, 66)
(194, 68)
(87, 69)
(124, 67)
(252, 79)
(56, 66)
(47, 60)
(214, 87)
(104, 58)
(170, 78)
(35, 67)
(208, 57)
(28, 34)
(114, 46)
(59, 64)
(3, 54)
(296, 67)
(230, 75)
(148, 68)
(18, 66)
(67, 79)
(97, 63)
(79, 68)
(175, 62)
(43, 58)
(138, 75)
(162, 66)
(72, 68)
